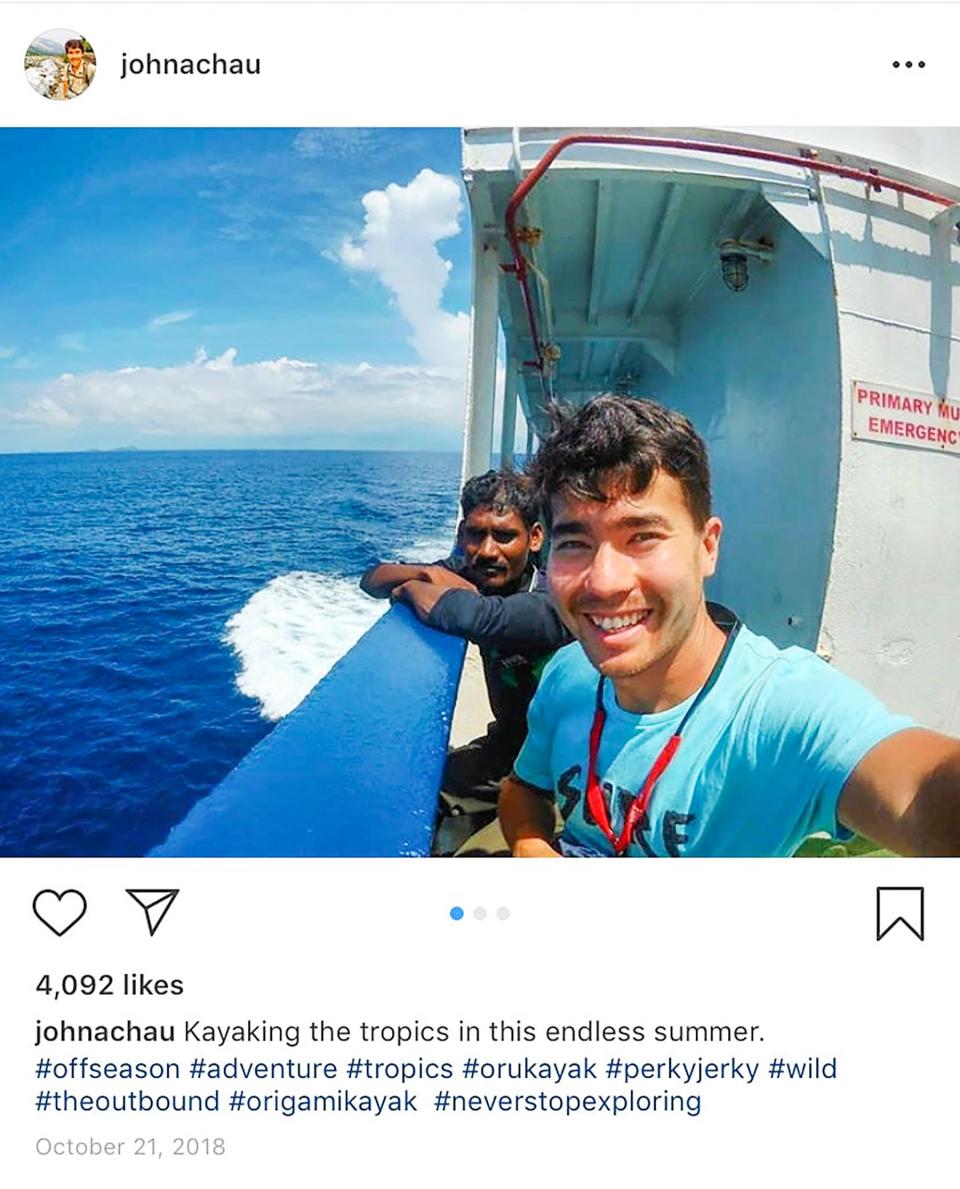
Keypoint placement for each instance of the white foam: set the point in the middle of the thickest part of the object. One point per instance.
(292, 631)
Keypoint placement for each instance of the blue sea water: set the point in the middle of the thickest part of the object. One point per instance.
(159, 609)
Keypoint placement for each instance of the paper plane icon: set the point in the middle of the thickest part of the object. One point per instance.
(155, 902)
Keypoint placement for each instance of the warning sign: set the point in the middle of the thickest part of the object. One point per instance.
(882, 413)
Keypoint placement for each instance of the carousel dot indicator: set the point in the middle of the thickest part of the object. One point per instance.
(456, 913)
(479, 914)
(503, 914)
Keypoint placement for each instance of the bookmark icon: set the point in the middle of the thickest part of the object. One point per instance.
(900, 906)
(155, 902)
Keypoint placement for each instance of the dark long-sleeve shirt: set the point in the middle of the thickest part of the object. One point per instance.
(516, 633)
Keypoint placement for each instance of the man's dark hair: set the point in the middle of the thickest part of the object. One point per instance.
(617, 443)
(503, 491)
(73, 44)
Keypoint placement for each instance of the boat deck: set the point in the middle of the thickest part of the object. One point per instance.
(472, 712)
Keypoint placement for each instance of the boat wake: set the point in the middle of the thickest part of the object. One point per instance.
(292, 631)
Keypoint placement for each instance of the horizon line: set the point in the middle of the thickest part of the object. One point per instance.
(227, 450)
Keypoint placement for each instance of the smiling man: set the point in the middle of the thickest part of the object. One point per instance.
(671, 729)
(494, 597)
(79, 70)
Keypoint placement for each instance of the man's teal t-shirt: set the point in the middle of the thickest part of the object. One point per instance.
(761, 765)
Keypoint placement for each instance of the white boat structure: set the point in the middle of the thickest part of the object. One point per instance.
(799, 302)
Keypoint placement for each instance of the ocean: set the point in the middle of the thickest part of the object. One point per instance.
(159, 611)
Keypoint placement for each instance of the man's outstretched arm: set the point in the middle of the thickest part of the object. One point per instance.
(527, 621)
(905, 794)
(382, 580)
(527, 819)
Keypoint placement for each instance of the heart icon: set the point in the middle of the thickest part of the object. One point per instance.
(59, 911)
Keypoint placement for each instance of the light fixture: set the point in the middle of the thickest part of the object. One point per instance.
(735, 255)
(733, 268)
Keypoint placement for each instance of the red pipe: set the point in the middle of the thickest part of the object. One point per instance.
(519, 265)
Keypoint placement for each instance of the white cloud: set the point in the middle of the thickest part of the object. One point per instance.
(220, 397)
(7, 352)
(398, 244)
(170, 319)
(71, 342)
(336, 142)
(42, 410)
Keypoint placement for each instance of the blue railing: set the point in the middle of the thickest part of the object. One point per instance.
(354, 770)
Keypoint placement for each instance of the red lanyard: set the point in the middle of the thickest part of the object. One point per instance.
(638, 806)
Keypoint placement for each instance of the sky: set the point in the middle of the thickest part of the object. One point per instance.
(232, 288)
(57, 37)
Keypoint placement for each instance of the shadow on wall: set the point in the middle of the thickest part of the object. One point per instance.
(758, 373)
(937, 268)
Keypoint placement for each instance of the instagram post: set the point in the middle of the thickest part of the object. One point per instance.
(229, 654)
(384, 478)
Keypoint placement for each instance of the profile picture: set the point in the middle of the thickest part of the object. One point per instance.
(60, 64)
